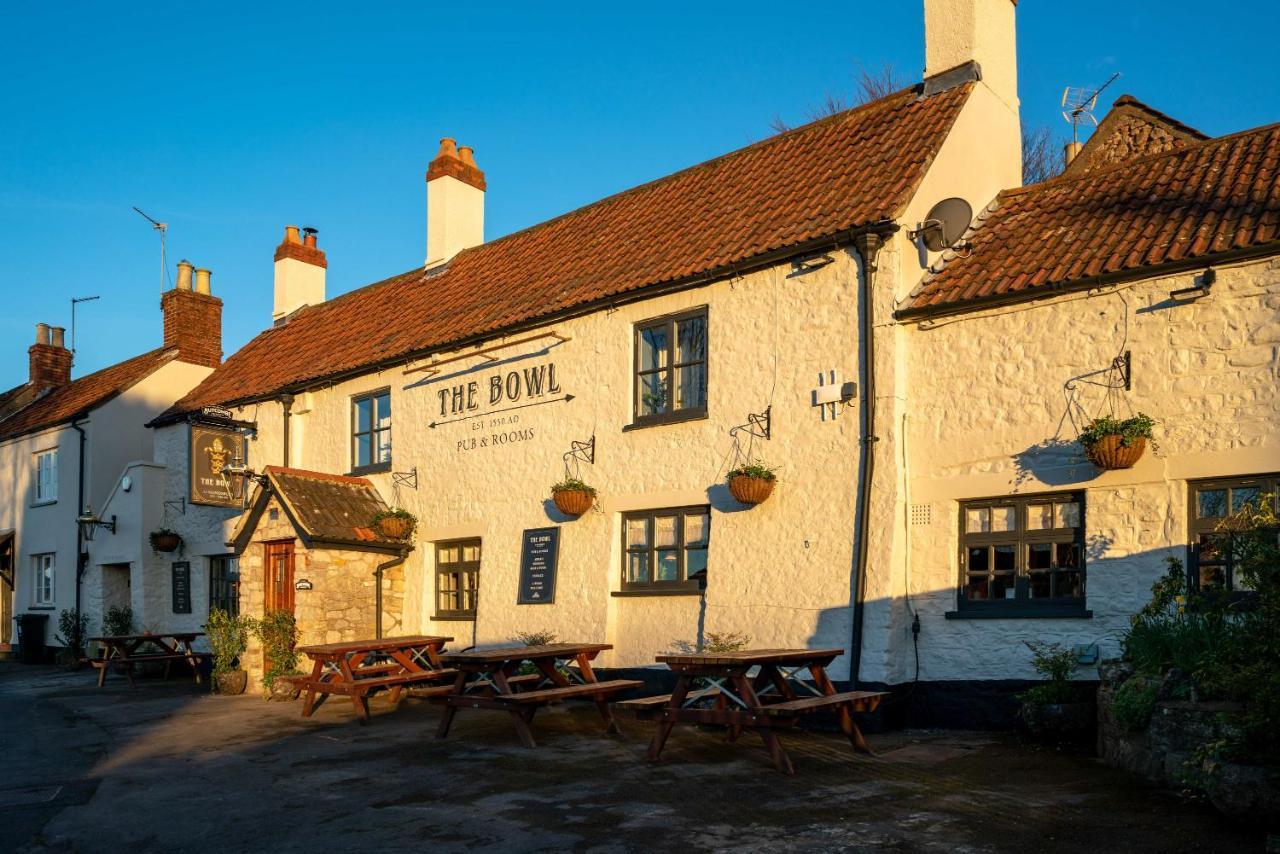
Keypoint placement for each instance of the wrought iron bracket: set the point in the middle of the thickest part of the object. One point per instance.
(759, 424)
(180, 505)
(582, 451)
(408, 479)
(1121, 366)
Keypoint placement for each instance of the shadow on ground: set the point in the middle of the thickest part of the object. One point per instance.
(166, 767)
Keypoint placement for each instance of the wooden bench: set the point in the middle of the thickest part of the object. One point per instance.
(543, 696)
(358, 668)
(361, 688)
(656, 702)
(124, 650)
(858, 701)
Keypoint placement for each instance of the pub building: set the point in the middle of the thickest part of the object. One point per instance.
(824, 302)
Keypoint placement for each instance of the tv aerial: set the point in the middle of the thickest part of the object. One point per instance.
(161, 227)
(1078, 104)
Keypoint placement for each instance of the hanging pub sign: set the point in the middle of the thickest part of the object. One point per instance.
(182, 587)
(212, 450)
(540, 549)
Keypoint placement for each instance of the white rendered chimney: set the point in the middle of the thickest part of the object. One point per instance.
(455, 203)
(300, 267)
(959, 31)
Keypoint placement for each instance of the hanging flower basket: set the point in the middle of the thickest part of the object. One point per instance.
(1112, 443)
(165, 540)
(1110, 452)
(395, 524)
(752, 484)
(573, 497)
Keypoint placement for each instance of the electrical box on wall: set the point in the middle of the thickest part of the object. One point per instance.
(835, 393)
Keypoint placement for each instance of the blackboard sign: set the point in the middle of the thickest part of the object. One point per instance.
(540, 547)
(182, 587)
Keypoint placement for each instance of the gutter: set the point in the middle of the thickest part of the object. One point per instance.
(286, 406)
(1047, 291)
(377, 582)
(883, 228)
(868, 248)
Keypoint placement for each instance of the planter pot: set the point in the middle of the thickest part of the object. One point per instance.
(1246, 792)
(284, 689)
(166, 542)
(750, 490)
(573, 502)
(232, 682)
(396, 527)
(1109, 454)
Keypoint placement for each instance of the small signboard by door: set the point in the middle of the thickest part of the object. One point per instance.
(182, 587)
(539, 551)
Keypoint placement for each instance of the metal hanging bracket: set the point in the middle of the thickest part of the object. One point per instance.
(408, 479)
(180, 506)
(582, 451)
(759, 425)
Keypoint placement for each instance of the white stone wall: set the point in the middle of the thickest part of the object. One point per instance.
(986, 415)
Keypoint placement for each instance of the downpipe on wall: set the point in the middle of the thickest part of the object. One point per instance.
(377, 590)
(868, 247)
(81, 557)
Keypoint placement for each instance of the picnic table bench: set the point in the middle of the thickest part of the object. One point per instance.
(358, 668)
(124, 651)
(489, 679)
(719, 688)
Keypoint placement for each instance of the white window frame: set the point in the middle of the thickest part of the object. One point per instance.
(43, 569)
(45, 489)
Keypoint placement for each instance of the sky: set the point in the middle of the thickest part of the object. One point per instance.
(228, 121)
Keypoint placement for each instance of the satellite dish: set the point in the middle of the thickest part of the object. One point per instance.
(944, 225)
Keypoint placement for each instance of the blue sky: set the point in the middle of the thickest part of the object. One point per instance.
(230, 124)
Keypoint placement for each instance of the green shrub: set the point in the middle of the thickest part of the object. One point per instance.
(757, 470)
(1056, 664)
(278, 633)
(1128, 429)
(228, 638)
(572, 484)
(725, 641)
(72, 629)
(1134, 703)
(118, 621)
(537, 638)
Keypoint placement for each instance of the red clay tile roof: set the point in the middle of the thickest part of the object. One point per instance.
(843, 172)
(1186, 206)
(64, 403)
(326, 508)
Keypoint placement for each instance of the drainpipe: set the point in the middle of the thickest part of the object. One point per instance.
(286, 404)
(377, 595)
(80, 556)
(868, 247)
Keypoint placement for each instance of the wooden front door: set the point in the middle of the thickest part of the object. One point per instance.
(278, 578)
(6, 591)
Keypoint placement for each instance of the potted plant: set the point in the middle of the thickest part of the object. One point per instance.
(752, 483)
(572, 496)
(118, 621)
(228, 639)
(1053, 710)
(277, 631)
(395, 523)
(165, 540)
(73, 627)
(1114, 443)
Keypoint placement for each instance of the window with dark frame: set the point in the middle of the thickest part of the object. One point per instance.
(371, 431)
(671, 368)
(665, 550)
(1022, 553)
(457, 579)
(224, 584)
(1212, 550)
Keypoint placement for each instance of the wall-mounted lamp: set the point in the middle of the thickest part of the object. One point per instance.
(89, 523)
(1201, 288)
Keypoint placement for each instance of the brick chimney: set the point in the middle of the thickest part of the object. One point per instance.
(455, 202)
(50, 359)
(193, 319)
(300, 269)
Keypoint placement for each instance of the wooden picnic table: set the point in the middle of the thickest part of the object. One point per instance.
(719, 688)
(125, 651)
(357, 668)
(489, 679)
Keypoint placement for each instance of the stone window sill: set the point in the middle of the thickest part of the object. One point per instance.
(681, 417)
(454, 618)
(693, 591)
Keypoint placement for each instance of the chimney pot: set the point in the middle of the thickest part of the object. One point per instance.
(50, 360)
(309, 236)
(202, 281)
(467, 155)
(184, 275)
(1070, 151)
(291, 234)
(57, 336)
(42, 333)
(448, 147)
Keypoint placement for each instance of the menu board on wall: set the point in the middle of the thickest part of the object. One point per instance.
(212, 450)
(182, 587)
(540, 549)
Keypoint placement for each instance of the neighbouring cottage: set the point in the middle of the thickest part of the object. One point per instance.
(808, 302)
(63, 445)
